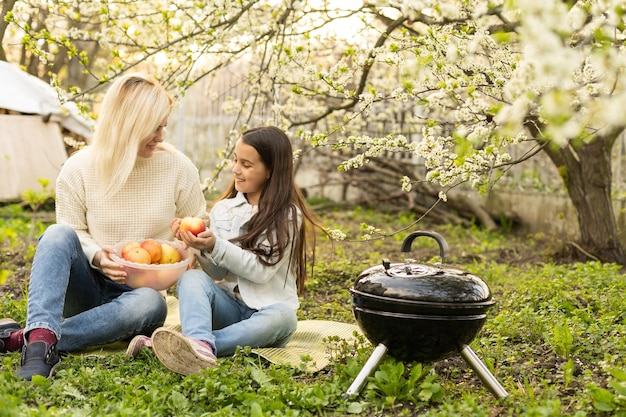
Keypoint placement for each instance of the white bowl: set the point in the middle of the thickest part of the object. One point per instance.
(157, 276)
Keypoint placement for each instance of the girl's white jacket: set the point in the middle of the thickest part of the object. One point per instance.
(231, 266)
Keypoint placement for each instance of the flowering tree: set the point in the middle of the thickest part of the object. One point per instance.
(455, 84)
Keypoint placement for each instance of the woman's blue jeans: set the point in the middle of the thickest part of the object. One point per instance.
(81, 305)
(209, 313)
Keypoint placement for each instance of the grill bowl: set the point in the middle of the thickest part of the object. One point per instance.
(418, 337)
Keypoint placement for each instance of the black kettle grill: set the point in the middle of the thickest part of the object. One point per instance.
(423, 313)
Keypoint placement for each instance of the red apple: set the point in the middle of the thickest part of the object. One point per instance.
(127, 247)
(194, 225)
(138, 255)
(154, 249)
(169, 254)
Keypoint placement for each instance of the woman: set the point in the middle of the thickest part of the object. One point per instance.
(253, 261)
(128, 185)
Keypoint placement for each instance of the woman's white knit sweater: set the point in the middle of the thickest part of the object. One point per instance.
(159, 188)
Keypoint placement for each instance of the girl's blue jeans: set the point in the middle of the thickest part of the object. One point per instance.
(209, 313)
(81, 305)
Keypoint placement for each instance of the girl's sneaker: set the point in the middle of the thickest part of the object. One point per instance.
(182, 354)
(136, 344)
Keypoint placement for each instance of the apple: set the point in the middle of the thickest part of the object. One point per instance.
(169, 254)
(138, 255)
(195, 225)
(154, 249)
(127, 247)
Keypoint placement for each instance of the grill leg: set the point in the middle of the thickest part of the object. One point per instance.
(366, 371)
(483, 373)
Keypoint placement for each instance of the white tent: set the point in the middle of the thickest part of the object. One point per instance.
(31, 141)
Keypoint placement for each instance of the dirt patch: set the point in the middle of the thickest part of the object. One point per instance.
(16, 261)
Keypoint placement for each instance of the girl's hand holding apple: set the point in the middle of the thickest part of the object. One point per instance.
(204, 241)
(175, 226)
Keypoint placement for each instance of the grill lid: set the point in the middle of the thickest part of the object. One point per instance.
(418, 282)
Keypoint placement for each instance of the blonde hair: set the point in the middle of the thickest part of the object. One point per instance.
(132, 109)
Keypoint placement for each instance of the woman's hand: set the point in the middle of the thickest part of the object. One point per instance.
(110, 268)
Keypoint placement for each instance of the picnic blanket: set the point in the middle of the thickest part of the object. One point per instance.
(308, 349)
(310, 341)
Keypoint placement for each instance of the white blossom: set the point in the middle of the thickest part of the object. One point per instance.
(406, 184)
(336, 234)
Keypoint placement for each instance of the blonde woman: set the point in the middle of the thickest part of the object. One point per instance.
(127, 185)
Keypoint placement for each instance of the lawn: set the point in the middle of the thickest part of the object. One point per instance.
(555, 340)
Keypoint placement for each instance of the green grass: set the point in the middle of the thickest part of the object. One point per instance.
(555, 341)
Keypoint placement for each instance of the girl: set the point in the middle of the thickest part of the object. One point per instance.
(127, 185)
(253, 261)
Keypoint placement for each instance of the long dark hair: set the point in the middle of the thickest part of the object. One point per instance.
(280, 200)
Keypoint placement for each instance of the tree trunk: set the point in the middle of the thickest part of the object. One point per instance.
(586, 172)
(7, 6)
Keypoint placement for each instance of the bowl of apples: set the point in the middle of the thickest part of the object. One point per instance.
(153, 263)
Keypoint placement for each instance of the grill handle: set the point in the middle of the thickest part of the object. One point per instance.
(444, 250)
